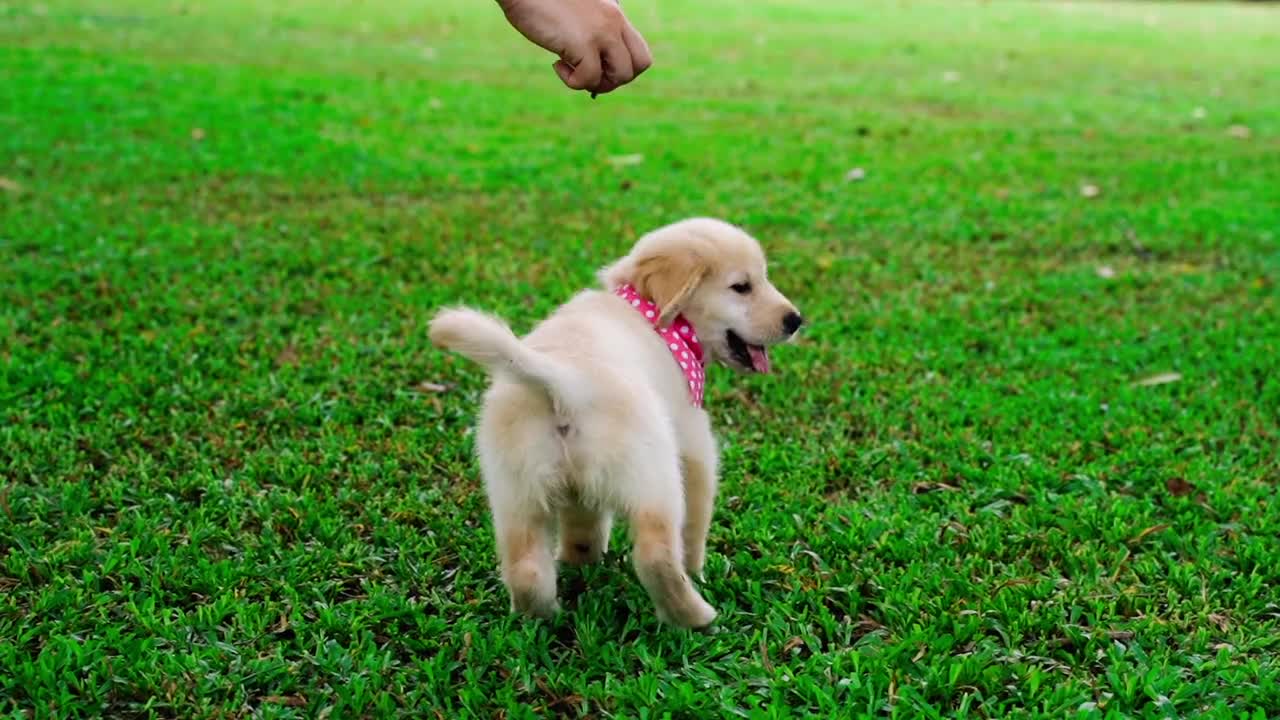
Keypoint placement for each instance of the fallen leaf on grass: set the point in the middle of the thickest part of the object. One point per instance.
(288, 356)
(197, 134)
(290, 700)
(281, 625)
(1178, 487)
(466, 647)
(1014, 582)
(960, 532)
(626, 160)
(1159, 379)
(1239, 132)
(9, 185)
(430, 387)
(1184, 268)
(921, 488)
(1149, 531)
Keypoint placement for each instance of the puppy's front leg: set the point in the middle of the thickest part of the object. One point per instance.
(700, 465)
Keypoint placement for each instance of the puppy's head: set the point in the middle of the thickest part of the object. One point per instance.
(714, 274)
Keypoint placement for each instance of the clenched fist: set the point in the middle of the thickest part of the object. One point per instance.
(599, 49)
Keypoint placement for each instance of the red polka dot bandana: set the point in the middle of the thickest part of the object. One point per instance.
(681, 340)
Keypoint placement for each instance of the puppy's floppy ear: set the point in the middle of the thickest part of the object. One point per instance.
(669, 279)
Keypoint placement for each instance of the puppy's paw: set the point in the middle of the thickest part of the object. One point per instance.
(534, 605)
(703, 615)
(694, 615)
(533, 590)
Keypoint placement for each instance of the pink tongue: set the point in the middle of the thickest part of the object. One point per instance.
(759, 358)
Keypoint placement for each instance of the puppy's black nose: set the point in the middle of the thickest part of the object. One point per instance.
(792, 322)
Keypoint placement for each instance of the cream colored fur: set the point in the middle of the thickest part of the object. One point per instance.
(589, 417)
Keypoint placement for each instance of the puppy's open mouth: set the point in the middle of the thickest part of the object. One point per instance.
(752, 357)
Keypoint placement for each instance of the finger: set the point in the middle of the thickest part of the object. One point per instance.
(606, 86)
(641, 59)
(617, 64)
(586, 72)
(563, 70)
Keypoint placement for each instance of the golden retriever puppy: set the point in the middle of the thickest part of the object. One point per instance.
(598, 411)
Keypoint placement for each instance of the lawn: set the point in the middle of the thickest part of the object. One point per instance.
(1023, 462)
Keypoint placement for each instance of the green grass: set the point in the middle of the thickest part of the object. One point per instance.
(230, 488)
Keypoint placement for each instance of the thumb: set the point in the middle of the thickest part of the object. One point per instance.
(563, 70)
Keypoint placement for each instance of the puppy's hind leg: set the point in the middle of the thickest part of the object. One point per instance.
(528, 566)
(656, 514)
(519, 474)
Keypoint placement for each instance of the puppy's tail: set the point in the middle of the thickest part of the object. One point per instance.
(488, 341)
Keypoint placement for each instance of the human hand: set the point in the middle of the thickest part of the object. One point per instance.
(599, 49)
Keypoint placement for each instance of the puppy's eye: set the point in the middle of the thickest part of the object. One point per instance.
(741, 288)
